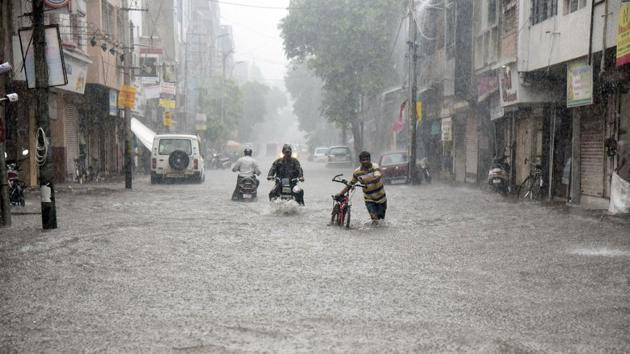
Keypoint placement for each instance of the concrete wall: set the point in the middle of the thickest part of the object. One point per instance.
(562, 38)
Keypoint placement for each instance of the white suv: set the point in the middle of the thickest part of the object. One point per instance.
(176, 156)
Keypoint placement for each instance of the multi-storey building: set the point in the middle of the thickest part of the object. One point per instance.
(67, 108)
(567, 47)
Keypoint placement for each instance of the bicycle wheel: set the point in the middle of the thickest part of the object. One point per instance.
(537, 190)
(348, 217)
(525, 189)
(340, 216)
(334, 214)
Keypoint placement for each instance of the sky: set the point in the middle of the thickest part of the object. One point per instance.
(256, 34)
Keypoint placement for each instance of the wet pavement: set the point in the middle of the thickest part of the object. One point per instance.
(181, 268)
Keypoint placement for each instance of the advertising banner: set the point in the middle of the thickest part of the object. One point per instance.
(508, 86)
(623, 34)
(113, 106)
(54, 57)
(579, 83)
(76, 71)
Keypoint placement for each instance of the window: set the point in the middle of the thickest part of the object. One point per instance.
(451, 15)
(393, 159)
(167, 146)
(107, 21)
(542, 10)
(492, 13)
(573, 5)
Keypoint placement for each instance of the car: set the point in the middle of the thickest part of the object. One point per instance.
(339, 156)
(176, 157)
(394, 167)
(320, 154)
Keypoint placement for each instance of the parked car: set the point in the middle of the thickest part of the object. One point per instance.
(320, 154)
(339, 156)
(395, 166)
(176, 157)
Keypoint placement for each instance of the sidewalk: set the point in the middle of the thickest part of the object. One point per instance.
(561, 206)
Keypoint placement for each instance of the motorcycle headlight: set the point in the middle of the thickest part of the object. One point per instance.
(297, 189)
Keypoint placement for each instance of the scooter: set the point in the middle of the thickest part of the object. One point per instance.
(247, 189)
(498, 176)
(16, 187)
(424, 170)
(219, 161)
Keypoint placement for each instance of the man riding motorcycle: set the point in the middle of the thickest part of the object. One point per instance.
(286, 167)
(246, 167)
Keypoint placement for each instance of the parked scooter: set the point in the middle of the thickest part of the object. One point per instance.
(498, 176)
(219, 161)
(424, 170)
(16, 187)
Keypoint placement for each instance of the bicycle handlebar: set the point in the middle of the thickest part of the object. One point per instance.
(348, 184)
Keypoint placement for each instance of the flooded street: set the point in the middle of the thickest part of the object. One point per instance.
(180, 267)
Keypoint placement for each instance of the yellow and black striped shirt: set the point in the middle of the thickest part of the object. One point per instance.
(374, 191)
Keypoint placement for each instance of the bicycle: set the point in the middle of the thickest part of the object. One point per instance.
(80, 173)
(532, 186)
(342, 205)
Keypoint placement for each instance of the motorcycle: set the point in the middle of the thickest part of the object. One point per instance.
(218, 161)
(247, 189)
(288, 188)
(424, 170)
(16, 187)
(498, 176)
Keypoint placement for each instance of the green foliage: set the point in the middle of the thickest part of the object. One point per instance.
(259, 103)
(223, 108)
(254, 108)
(347, 44)
(306, 90)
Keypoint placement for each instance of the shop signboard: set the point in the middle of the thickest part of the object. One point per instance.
(579, 83)
(508, 86)
(76, 71)
(127, 97)
(447, 131)
(54, 57)
(623, 34)
(167, 103)
(113, 106)
(168, 119)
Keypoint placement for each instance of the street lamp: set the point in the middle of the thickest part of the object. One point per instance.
(11, 97)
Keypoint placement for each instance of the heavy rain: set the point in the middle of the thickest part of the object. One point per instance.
(430, 176)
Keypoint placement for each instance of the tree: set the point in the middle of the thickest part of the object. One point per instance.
(347, 43)
(254, 108)
(306, 90)
(223, 107)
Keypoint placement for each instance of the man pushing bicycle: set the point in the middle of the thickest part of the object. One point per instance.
(369, 175)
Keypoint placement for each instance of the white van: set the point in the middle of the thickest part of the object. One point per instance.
(176, 156)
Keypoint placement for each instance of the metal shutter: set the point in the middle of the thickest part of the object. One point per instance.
(471, 148)
(71, 136)
(591, 154)
(459, 140)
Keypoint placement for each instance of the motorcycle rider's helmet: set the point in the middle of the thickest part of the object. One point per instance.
(247, 152)
(286, 148)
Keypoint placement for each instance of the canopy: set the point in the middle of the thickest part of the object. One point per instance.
(144, 134)
(232, 144)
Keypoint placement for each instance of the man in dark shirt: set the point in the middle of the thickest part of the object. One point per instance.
(286, 167)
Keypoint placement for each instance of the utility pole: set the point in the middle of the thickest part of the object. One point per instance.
(46, 169)
(127, 81)
(5, 206)
(411, 107)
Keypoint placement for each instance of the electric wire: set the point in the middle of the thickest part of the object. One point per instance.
(41, 150)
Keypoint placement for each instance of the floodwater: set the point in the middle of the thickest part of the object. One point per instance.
(180, 267)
